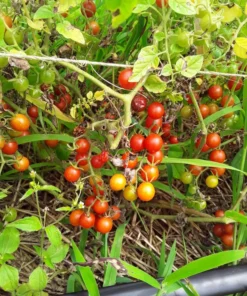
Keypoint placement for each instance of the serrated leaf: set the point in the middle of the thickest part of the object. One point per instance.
(240, 47)
(70, 32)
(167, 70)
(184, 7)
(190, 65)
(28, 224)
(64, 5)
(54, 235)
(9, 240)
(44, 12)
(37, 25)
(38, 279)
(147, 59)
(9, 278)
(154, 84)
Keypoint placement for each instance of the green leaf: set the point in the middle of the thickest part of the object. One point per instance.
(24, 290)
(85, 272)
(141, 275)
(39, 137)
(9, 278)
(141, 7)
(110, 277)
(57, 253)
(236, 216)
(155, 85)
(37, 25)
(9, 240)
(28, 193)
(190, 65)
(162, 260)
(147, 59)
(54, 235)
(240, 47)
(184, 7)
(27, 224)
(6, 257)
(170, 261)
(65, 5)
(38, 279)
(44, 12)
(177, 170)
(70, 32)
(124, 8)
(3, 195)
(168, 190)
(167, 70)
(204, 264)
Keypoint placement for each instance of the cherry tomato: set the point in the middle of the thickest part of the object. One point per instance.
(97, 162)
(60, 89)
(90, 200)
(104, 225)
(93, 27)
(83, 146)
(104, 156)
(227, 240)
(88, 8)
(21, 84)
(117, 182)
(229, 229)
(224, 100)
(146, 191)
(10, 214)
(96, 180)
(173, 140)
(189, 100)
(8, 20)
(100, 206)
(123, 79)
(149, 173)
(215, 92)
(213, 108)
(130, 161)
(22, 163)
(33, 111)
(74, 217)
(217, 156)
(219, 213)
(139, 103)
(213, 140)
(204, 109)
(2, 142)
(116, 213)
(72, 174)
(212, 181)
(87, 220)
(129, 193)
(166, 129)
(47, 76)
(156, 110)
(67, 97)
(153, 143)
(218, 171)
(232, 81)
(61, 104)
(98, 191)
(218, 230)
(10, 147)
(9, 37)
(195, 170)
(154, 124)
(45, 87)
(159, 3)
(81, 159)
(186, 178)
(20, 122)
(64, 14)
(186, 112)
(137, 142)
(51, 143)
(205, 147)
(155, 157)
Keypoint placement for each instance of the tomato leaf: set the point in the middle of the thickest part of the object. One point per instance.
(64, 5)
(70, 32)
(44, 12)
(190, 65)
(155, 85)
(240, 47)
(184, 7)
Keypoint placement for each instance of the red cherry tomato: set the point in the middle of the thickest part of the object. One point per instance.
(227, 240)
(130, 161)
(215, 92)
(20, 122)
(72, 174)
(33, 111)
(225, 99)
(166, 129)
(154, 124)
(88, 8)
(195, 170)
(205, 147)
(139, 103)
(189, 100)
(137, 142)
(218, 230)
(67, 97)
(93, 27)
(213, 140)
(61, 104)
(156, 110)
(219, 213)
(123, 79)
(232, 81)
(217, 156)
(229, 228)
(173, 140)
(82, 146)
(44, 87)
(104, 225)
(97, 162)
(218, 171)
(204, 109)
(155, 157)
(153, 143)
(74, 217)
(100, 206)
(87, 220)
(60, 89)
(10, 147)
(81, 159)
(159, 3)
(149, 173)
(90, 200)
(51, 143)
(116, 213)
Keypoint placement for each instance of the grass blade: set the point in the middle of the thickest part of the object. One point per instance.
(170, 261)
(162, 261)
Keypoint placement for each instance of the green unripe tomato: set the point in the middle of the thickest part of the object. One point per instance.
(18, 36)
(216, 53)
(35, 93)
(31, 51)
(186, 112)
(21, 84)
(233, 68)
(47, 76)
(222, 69)
(186, 178)
(211, 67)
(33, 77)
(3, 62)
(192, 189)
(200, 204)
(183, 39)
(10, 215)
(228, 122)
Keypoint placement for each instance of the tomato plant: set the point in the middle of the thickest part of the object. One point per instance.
(117, 182)
(74, 217)
(156, 110)
(139, 103)
(123, 79)
(149, 173)
(104, 225)
(87, 220)
(153, 143)
(72, 174)
(10, 147)
(88, 8)
(137, 143)
(22, 163)
(146, 191)
(215, 92)
(20, 122)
